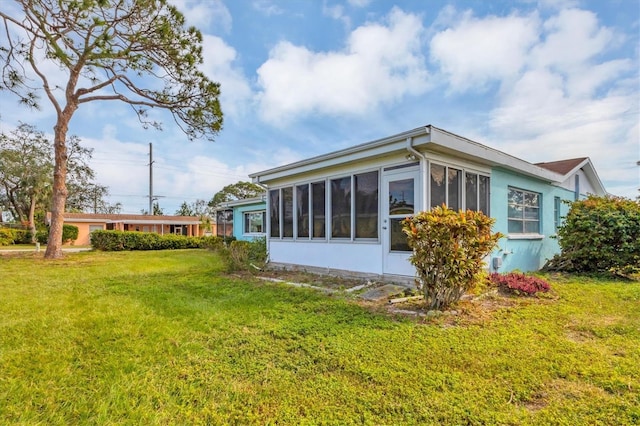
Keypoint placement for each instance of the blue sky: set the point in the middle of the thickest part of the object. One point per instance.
(541, 80)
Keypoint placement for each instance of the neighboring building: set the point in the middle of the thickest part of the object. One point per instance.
(87, 223)
(342, 211)
(244, 219)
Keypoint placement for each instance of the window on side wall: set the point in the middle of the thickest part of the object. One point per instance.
(254, 222)
(523, 212)
(556, 213)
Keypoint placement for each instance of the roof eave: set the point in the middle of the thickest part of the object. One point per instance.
(377, 147)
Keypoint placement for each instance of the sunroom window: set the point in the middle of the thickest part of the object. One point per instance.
(352, 202)
(458, 189)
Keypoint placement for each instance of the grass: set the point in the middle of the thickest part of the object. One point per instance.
(167, 338)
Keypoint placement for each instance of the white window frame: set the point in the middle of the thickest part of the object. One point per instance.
(524, 234)
(245, 215)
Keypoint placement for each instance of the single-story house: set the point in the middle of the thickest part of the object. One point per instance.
(342, 212)
(244, 219)
(88, 222)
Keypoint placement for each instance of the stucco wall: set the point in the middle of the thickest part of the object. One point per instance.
(518, 252)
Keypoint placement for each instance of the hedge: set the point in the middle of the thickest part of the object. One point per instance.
(130, 240)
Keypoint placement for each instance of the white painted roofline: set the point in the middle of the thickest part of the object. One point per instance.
(424, 138)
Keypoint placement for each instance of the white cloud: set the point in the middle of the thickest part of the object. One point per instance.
(336, 12)
(379, 64)
(267, 7)
(476, 51)
(562, 91)
(203, 13)
(571, 38)
(219, 65)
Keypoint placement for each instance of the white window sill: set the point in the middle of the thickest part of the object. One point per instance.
(525, 237)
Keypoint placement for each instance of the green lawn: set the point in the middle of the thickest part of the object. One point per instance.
(167, 338)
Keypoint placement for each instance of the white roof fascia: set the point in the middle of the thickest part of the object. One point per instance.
(591, 173)
(83, 220)
(244, 202)
(424, 137)
(457, 143)
(158, 222)
(354, 153)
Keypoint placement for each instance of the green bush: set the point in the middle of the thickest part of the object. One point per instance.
(448, 252)
(7, 236)
(245, 255)
(129, 240)
(69, 233)
(23, 236)
(599, 234)
(42, 236)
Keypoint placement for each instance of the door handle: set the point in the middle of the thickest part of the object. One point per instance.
(384, 227)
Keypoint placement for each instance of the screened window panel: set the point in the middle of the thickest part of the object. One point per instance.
(438, 185)
(341, 207)
(318, 201)
(454, 183)
(287, 212)
(366, 187)
(471, 191)
(302, 208)
(274, 213)
(484, 194)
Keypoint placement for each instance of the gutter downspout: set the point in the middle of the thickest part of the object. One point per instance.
(267, 226)
(423, 168)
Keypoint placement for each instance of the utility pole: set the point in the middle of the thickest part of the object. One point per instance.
(150, 178)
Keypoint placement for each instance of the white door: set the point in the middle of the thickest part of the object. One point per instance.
(400, 198)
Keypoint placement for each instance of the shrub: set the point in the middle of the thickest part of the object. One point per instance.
(519, 284)
(69, 233)
(245, 255)
(7, 236)
(23, 236)
(448, 251)
(599, 234)
(129, 240)
(42, 236)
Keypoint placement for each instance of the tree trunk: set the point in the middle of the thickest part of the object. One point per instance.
(32, 221)
(54, 245)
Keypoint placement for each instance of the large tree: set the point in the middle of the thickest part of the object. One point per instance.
(26, 178)
(136, 51)
(236, 191)
(25, 172)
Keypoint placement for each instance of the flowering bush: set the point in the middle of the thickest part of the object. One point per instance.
(519, 283)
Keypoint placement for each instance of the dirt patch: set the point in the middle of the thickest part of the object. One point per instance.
(326, 281)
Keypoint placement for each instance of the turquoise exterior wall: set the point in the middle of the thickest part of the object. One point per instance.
(238, 220)
(517, 252)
